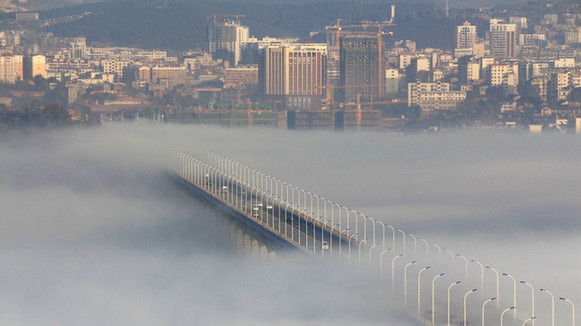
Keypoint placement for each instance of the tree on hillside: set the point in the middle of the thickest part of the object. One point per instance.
(54, 116)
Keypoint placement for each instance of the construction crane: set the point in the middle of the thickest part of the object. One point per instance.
(365, 28)
(215, 17)
(222, 23)
(361, 29)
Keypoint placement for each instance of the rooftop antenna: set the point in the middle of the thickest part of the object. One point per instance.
(446, 8)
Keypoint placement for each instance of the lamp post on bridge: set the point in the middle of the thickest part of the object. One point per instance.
(434, 296)
(451, 255)
(333, 226)
(466, 265)
(341, 241)
(381, 264)
(532, 300)
(427, 248)
(286, 221)
(349, 246)
(481, 275)
(370, 254)
(356, 221)
(484, 306)
(439, 252)
(415, 244)
(449, 290)
(530, 319)
(313, 221)
(383, 239)
(346, 216)
(392, 236)
(572, 309)
(497, 285)
(465, 299)
(373, 221)
(340, 223)
(419, 287)
(502, 314)
(405, 282)
(552, 305)
(364, 241)
(393, 271)
(513, 292)
(403, 240)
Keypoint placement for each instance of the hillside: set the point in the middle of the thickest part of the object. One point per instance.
(183, 26)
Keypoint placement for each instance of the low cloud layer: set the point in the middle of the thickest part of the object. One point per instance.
(93, 232)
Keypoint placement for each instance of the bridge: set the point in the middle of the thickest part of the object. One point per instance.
(434, 285)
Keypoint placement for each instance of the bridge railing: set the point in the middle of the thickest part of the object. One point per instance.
(327, 229)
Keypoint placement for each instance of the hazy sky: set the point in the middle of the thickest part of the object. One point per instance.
(93, 233)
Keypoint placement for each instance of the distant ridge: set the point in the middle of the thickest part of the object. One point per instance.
(180, 26)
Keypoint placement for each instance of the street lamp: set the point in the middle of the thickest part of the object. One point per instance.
(427, 248)
(393, 271)
(381, 263)
(552, 305)
(403, 237)
(351, 238)
(405, 282)
(513, 292)
(419, 286)
(481, 274)
(451, 254)
(484, 306)
(529, 319)
(439, 252)
(450, 289)
(465, 298)
(415, 244)
(497, 285)
(382, 233)
(341, 242)
(364, 241)
(502, 314)
(392, 236)
(434, 296)
(333, 227)
(532, 300)
(370, 253)
(572, 309)
(465, 264)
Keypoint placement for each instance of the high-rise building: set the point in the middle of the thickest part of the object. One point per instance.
(226, 40)
(504, 74)
(10, 68)
(502, 40)
(295, 73)
(171, 76)
(114, 66)
(559, 86)
(468, 69)
(79, 47)
(33, 66)
(465, 36)
(418, 69)
(573, 35)
(361, 67)
(433, 96)
(391, 81)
